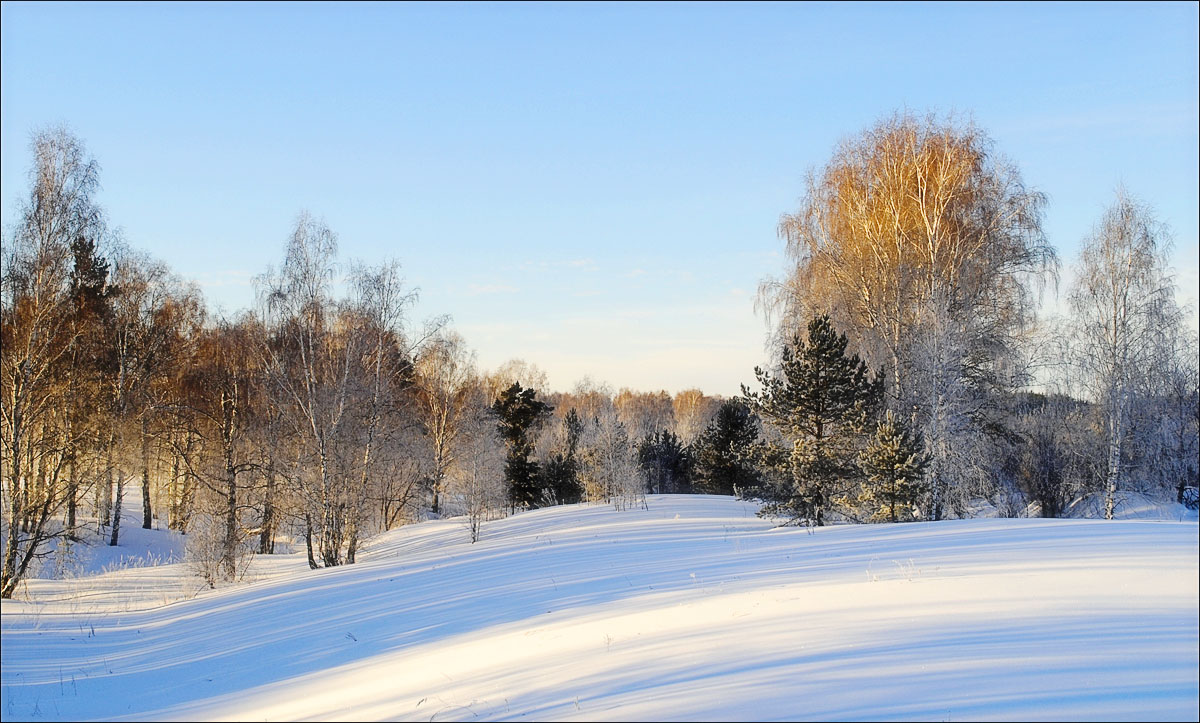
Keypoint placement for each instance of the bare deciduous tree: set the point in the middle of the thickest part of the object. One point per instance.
(1124, 312)
(692, 411)
(525, 373)
(154, 316)
(609, 470)
(309, 361)
(223, 394)
(644, 413)
(36, 338)
(477, 478)
(445, 390)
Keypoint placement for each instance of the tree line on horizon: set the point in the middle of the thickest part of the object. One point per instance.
(906, 342)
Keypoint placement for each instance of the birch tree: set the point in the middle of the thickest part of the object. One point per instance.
(381, 303)
(477, 479)
(155, 314)
(1123, 308)
(224, 395)
(445, 388)
(609, 463)
(37, 335)
(309, 360)
(692, 411)
(926, 247)
(644, 413)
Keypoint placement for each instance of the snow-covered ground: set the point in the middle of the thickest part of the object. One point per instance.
(690, 609)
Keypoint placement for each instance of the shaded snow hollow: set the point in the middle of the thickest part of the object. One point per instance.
(691, 609)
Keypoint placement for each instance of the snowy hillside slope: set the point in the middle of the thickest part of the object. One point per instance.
(691, 609)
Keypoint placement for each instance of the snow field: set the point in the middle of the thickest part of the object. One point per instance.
(691, 609)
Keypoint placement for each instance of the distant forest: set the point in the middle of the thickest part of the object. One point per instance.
(906, 345)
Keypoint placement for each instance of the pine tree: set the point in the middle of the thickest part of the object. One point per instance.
(722, 456)
(560, 474)
(820, 402)
(88, 359)
(665, 462)
(894, 462)
(520, 412)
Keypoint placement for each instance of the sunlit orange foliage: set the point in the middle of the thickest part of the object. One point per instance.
(911, 215)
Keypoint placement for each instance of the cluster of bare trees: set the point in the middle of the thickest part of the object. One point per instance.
(926, 248)
(90, 345)
(112, 376)
(1129, 353)
(43, 340)
(625, 442)
(320, 417)
(317, 415)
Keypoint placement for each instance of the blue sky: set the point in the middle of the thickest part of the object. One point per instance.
(593, 188)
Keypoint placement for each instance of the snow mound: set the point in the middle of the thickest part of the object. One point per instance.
(1129, 506)
(691, 609)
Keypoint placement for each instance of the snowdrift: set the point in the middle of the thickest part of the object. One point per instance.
(690, 609)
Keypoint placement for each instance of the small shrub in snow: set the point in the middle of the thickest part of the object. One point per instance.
(209, 554)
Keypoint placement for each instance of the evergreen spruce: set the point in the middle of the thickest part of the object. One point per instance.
(665, 462)
(89, 281)
(560, 474)
(723, 455)
(520, 412)
(894, 462)
(820, 402)
(89, 359)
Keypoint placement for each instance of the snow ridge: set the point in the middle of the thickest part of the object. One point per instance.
(692, 609)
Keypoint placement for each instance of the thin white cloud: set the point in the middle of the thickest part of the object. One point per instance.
(582, 264)
(482, 289)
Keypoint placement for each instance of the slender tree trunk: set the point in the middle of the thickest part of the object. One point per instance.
(120, 474)
(104, 490)
(892, 487)
(147, 512)
(173, 495)
(187, 494)
(266, 535)
(229, 548)
(1180, 455)
(72, 478)
(435, 506)
(116, 514)
(16, 439)
(331, 536)
(9, 577)
(43, 493)
(328, 543)
(9, 585)
(352, 534)
(72, 494)
(308, 535)
(1116, 423)
(23, 521)
(39, 488)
